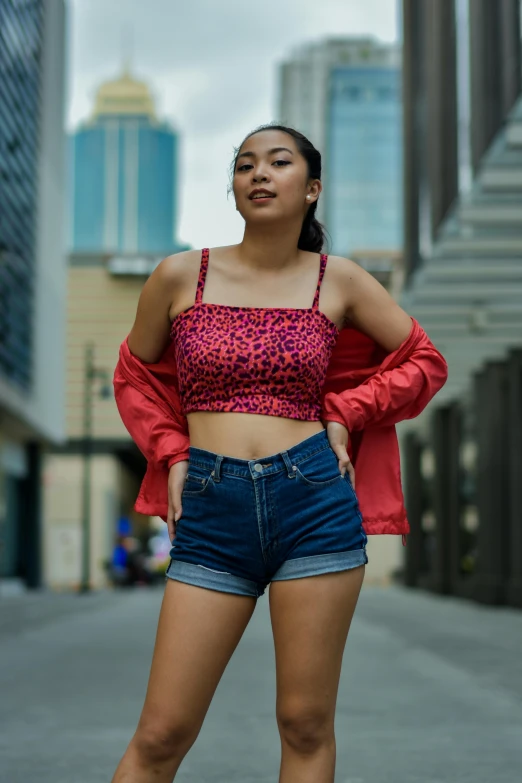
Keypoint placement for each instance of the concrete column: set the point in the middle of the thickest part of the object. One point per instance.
(492, 428)
(510, 49)
(446, 501)
(440, 55)
(412, 128)
(495, 68)
(455, 427)
(30, 520)
(429, 120)
(514, 452)
(414, 502)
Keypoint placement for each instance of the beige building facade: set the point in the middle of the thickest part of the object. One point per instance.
(101, 309)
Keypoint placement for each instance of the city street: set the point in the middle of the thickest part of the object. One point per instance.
(297, 215)
(431, 692)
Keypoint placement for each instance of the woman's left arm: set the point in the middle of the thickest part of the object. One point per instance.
(371, 309)
(409, 376)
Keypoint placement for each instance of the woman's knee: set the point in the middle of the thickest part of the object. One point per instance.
(305, 729)
(156, 741)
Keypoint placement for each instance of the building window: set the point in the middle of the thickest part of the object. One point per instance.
(20, 40)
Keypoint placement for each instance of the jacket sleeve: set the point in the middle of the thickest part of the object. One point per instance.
(394, 393)
(158, 435)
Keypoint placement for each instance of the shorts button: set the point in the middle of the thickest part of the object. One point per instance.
(258, 467)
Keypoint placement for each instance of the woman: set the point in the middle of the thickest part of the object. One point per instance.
(230, 385)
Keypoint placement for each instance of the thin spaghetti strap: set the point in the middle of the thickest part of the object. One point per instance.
(202, 274)
(324, 259)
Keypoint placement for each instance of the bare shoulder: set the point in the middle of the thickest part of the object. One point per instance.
(368, 305)
(176, 276)
(344, 268)
(177, 267)
(150, 332)
(347, 275)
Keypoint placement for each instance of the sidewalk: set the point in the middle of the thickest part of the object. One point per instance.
(431, 692)
(36, 609)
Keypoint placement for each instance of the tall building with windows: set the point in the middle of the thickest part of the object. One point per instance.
(32, 271)
(364, 161)
(123, 168)
(345, 94)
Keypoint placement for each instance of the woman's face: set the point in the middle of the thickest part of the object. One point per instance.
(270, 161)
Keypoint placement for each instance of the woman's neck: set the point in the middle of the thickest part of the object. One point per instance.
(265, 247)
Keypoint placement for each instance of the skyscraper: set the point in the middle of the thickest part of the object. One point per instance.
(364, 161)
(123, 175)
(32, 271)
(345, 95)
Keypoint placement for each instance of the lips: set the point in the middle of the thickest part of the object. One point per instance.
(261, 194)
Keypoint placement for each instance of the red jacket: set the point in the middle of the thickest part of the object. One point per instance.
(366, 389)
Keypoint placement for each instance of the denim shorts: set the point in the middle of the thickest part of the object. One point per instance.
(246, 523)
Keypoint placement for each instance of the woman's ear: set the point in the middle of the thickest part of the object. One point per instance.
(316, 187)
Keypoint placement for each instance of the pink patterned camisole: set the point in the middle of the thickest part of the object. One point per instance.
(268, 360)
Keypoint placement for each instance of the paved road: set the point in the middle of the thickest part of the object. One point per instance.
(431, 692)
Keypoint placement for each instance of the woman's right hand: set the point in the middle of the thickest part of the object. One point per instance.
(177, 475)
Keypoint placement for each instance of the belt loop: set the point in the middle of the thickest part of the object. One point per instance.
(288, 462)
(217, 466)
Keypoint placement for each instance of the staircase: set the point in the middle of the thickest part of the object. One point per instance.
(468, 293)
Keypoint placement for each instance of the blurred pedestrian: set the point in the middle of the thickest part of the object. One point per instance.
(255, 379)
(118, 565)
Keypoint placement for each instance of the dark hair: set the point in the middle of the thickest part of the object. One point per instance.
(312, 235)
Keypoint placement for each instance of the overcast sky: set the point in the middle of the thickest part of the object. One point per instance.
(212, 67)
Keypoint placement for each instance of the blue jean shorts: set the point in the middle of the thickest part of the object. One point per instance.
(246, 523)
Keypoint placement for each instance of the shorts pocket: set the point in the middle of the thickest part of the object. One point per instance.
(197, 480)
(349, 482)
(319, 470)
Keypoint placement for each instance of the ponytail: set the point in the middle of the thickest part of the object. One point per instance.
(312, 233)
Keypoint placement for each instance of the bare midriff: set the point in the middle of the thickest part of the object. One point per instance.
(247, 435)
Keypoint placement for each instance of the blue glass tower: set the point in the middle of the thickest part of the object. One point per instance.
(123, 175)
(364, 159)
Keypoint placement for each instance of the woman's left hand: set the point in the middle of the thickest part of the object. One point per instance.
(339, 437)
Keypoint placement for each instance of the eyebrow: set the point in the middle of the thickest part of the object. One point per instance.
(270, 152)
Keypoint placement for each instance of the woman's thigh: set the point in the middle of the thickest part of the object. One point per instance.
(310, 619)
(198, 630)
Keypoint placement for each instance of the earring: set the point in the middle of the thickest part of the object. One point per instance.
(308, 197)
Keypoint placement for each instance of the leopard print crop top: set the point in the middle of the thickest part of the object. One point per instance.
(264, 360)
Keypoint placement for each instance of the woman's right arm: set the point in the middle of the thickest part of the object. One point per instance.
(150, 332)
(148, 340)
